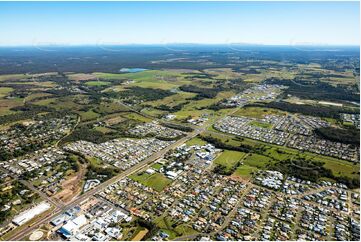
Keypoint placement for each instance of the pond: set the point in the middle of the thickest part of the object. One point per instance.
(132, 70)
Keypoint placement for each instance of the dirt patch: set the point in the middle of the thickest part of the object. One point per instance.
(114, 120)
(140, 235)
(72, 186)
(238, 178)
(82, 77)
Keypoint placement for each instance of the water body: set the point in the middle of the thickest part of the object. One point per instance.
(132, 70)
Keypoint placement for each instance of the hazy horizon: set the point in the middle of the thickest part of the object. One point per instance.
(151, 23)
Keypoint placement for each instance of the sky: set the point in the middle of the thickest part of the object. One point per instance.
(273, 23)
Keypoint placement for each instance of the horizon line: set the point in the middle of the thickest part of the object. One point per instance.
(182, 43)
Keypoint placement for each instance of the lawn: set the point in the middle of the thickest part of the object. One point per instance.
(196, 141)
(257, 161)
(244, 171)
(97, 83)
(156, 181)
(229, 158)
(261, 124)
(157, 166)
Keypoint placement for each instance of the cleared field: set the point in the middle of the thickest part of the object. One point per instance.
(156, 181)
(88, 115)
(257, 112)
(13, 77)
(81, 77)
(172, 100)
(257, 161)
(137, 117)
(45, 102)
(196, 141)
(148, 79)
(229, 158)
(104, 130)
(153, 112)
(7, 104)
(140, 235)
(244, 171)
(4, 91)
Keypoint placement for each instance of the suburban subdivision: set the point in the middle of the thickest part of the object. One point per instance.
(203, 144)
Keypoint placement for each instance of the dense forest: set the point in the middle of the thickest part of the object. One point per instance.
(86, 59)
(317, 90)
(321, 111)
(345, 135)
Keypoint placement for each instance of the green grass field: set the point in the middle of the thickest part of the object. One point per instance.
(156, 181)
(257, 161)
(137, 117)
(229, 158)
(7, 104)
(170, 227)
(245, 171)
(196, 141)
(8, 77)
(45, 102)
(88, 115)
(157, 166)
(261, 124)
(161, 79)
(4, 91)
(278, 153)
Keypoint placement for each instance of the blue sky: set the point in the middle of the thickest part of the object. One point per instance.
(330, 23)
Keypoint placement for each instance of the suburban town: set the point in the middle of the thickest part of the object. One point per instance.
(180, 121)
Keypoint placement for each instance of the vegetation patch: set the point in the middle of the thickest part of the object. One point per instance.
(245, 171)
(196, 141)
(257, 161)
(157, 181)
(229, 158)
(346, 135)
(261, 124)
